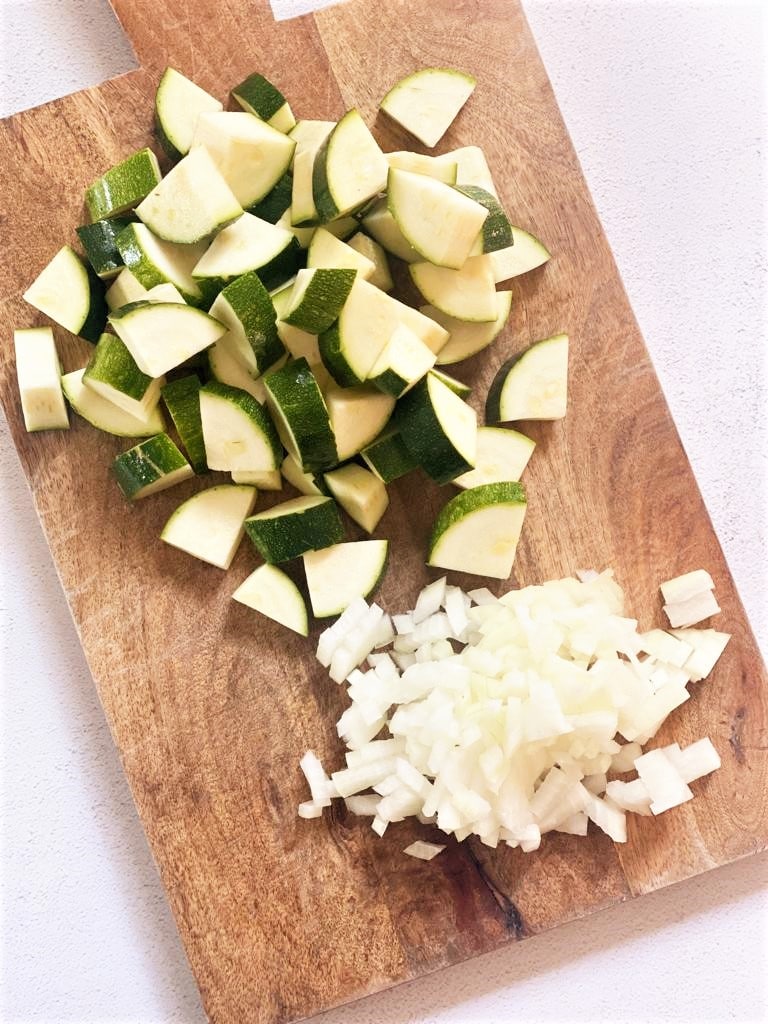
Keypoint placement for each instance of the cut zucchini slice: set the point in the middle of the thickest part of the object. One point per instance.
(456, 386)
(325, 250)
(151, 466)
(251, 156)
(478, 530)
(526, 253)
(257, 95)
(164, 293)
(388, 457)
(227, 369)
(307, 133)
(439, 221)
(178, 104)
(269, 591)
(39, 376)
(106, 415)
(99, 240)
(532, 385)
(297, 406)
(154, 262)
(358, 415)
(303, 236)
(269, 480)
(112, 373)
(182, 399)
(467, 294)
(368, 320)
(381, 225)
(467, 339)
(301, 345)
(303, 210)
(306, 483)
(246, 309)
(349, 168)
(472, 168)
(317, 298)
(274, 205)
(404, 360)
(248, 245)
(163, 335)
(439, 429)
(290, 529)
(497, 231)
(372, 251)
(124, 289)
(123, 186)
(210, 525)
(439, 167)
(426, 102)
(70, 294)
(344, 573)
(360, 493)
(191, 202)
(237, 432)
(501, 455)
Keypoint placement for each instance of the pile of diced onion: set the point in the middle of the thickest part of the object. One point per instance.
(508, 718)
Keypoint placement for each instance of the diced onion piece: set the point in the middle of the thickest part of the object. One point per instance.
(596, 783)
(403, 623)
(586, 576)
(482, 596)
(664, 647)
(707, 645)
(662, 780)
(682, 588)
(631, 796)
(350, 781)
(379, 826)
(422, 850)
(608, 817)
(456, 611)
(695, 761)
(363, 806)
(624, 760)
(331, 638)
(695, 609)
(319, 784)
(310, 809)
(429, 601)
(576, 825)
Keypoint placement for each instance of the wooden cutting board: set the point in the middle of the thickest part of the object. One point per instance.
(209, 706)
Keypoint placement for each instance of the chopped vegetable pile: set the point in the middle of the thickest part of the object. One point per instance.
(509, 718)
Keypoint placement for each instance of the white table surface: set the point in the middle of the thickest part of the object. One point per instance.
(665, 105)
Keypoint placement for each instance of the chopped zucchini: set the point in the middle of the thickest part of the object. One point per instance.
(237, 432)
(439, 429)
(105, 415)
(112, 373)
(184, 331)
(257, 95)
(526, 253)
(426, 102)
(303, 236)
(178, 104)
(123, 186)
(301, 416)
(267, 480)
(403, 361)
(227, 369)
(164, 293)
(472, 168)
(182, 399)
(467, 294)
(379, 223)
(246, 309)
(440, 167)
(124, 289)
(70, 294)
(39, 377)
(349, 168)
(317, 298)
(209, 525)
(191, 202)
(251, 156)
(247, 245)
(151, 466)
(358, 415)
(99, 240)
(341, 574)
(325, 250)
(372, 251)
(501, 455)
(275, 203)
(438, 220)
(456, 386)
(153, 262)
(290, 529)
(306, 483)
(388, 457)
(467, 339)
(478, 530)
(269, 591)
(532, 385)
(360, 493)
(497, 231)
(308, 133)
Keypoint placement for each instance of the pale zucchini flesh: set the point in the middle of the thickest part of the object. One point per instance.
(210, 524)
(358, 415)
(426, 102)
(379, 223)
(71, 294)
(360, 493)
(468, 294)
(248, 245)
(349, 168)
(153, 262)
(237, 432)
(269, 591)
(325, 250)
(124, 289)
(403, 361)
(185, 331)
(502, 455)
(304, 482)
(467, 339)
(341, 574)
(526, 253)
(105, 415)
(532, 385)
(178, 104)
(440, 167)
(39, 378)
(265, 480)
(478, 530)
(369, 249)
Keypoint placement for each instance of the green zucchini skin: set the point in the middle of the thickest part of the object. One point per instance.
(497, 230)
(424, 437)
(293, 390)
(148, 463)
(272, 207)
(182, 399)
(287, 536)
(99, 241)
(388, 456)
(123, 186)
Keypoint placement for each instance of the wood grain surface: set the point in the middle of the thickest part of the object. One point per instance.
(211, 706)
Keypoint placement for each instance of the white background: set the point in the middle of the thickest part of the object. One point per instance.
(666, 105)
